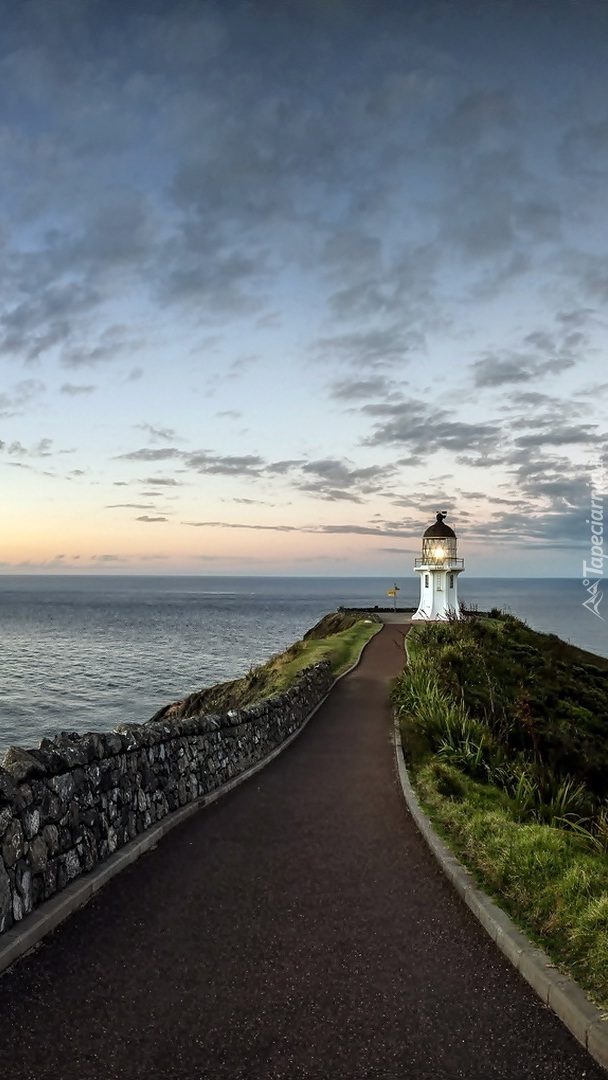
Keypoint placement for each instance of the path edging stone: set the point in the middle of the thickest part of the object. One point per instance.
(563, 995)
(28, 934)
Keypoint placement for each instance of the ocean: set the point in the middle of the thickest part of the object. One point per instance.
(89, 652)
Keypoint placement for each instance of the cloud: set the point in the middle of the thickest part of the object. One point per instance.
(161, 481)
(480, 218)
(147, 518)
(279, 468)
(423, 430)
(158, 434)
(113, 343)
(564, 436)
(235, 525)
(73, 390)
(583, 150)
(496, 212)
(479, 118)
(332, 479)
(15, 448)
(366, 530)
(43, 448)
(531, 398)
(352, 254)
(558, 528)
(201, 461)
(376, 348)
(504, 270)
(43, 319)
(224, 283)
(538, 220)
(335, 480)
(386, 285)
(116, 231)
(586, 275)
(361, 389)
(540, 352)
(329, 530)
(499, 371)
(225, 465)
(577, 318)
(150, 454)
(20, 395)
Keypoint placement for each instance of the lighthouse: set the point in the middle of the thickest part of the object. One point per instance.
(439, 568)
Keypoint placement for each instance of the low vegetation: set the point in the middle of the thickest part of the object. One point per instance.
(506, 735)
(337, 638)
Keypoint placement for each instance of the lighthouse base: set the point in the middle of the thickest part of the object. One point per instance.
(438, 594)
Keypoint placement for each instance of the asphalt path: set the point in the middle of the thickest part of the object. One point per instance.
(297, 928)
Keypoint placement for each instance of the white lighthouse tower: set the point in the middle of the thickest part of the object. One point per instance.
(439, 568)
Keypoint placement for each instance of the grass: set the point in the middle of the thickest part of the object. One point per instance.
(554, 888)
(506, 739)
(337, 638)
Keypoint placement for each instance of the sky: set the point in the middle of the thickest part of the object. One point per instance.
(281, 280)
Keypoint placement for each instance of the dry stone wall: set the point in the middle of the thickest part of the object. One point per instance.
(68, 805)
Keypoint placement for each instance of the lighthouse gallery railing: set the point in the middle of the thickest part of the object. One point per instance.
(446, 563)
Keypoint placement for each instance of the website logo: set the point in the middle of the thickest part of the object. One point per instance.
(594, 569)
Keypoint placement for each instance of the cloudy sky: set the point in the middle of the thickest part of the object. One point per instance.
(279, 280)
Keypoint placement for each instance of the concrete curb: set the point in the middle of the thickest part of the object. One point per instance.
(587, 1023)
(26, 935)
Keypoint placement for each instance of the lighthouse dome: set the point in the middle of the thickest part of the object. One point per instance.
(439, 528)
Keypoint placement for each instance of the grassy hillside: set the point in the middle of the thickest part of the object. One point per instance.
(533, 700)
(337, 638)
(506, 735)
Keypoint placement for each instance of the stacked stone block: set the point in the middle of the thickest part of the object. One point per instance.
(74, 801)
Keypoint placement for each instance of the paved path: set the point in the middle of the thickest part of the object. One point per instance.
(297, 928)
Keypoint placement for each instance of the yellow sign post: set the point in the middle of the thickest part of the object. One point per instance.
(393, 592)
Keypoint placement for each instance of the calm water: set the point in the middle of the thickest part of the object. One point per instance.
(87, 653)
